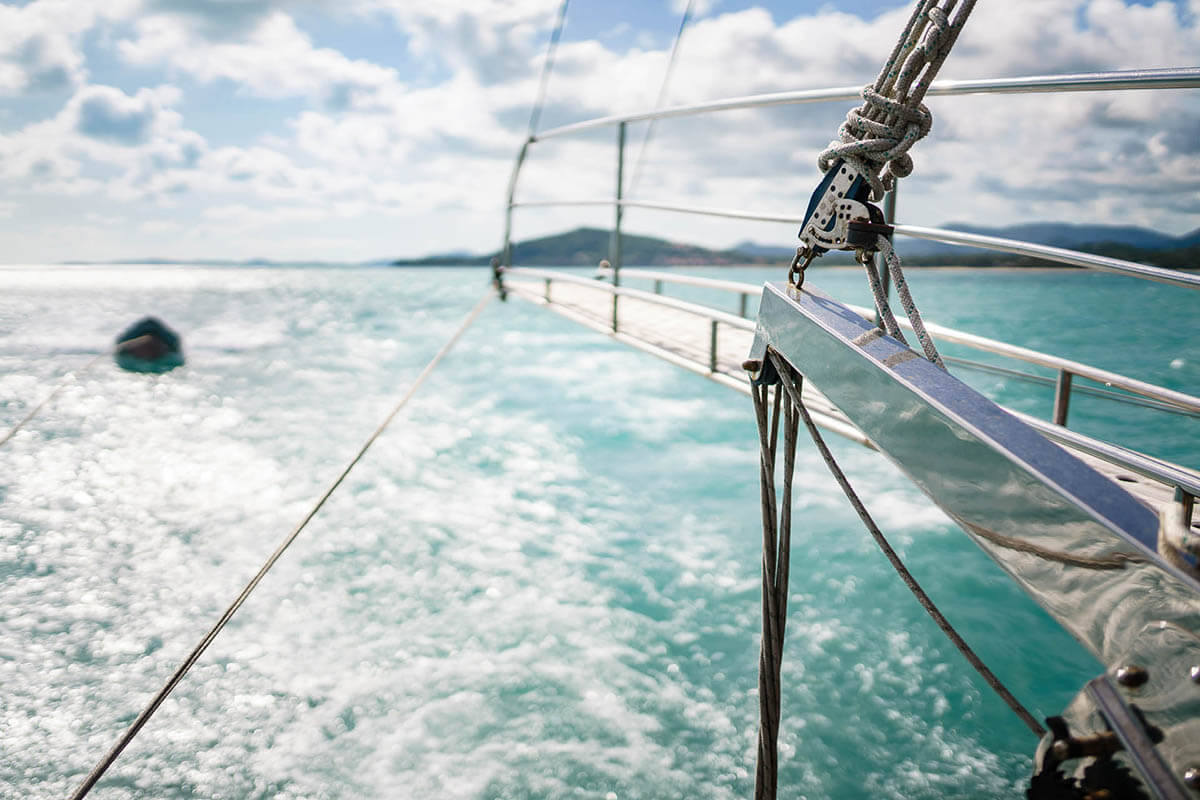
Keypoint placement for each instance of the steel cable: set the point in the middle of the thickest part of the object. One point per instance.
(176, 677)
(792, 388)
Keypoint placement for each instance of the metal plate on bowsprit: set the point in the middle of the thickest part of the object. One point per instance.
(1079, 544)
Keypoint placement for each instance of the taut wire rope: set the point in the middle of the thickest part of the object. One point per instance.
(62, 384)
(662, 96)
(776, 558)
(776, 543)
(535, 115)
(142, 718)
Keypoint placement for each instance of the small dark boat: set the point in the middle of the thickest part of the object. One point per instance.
(148, 345)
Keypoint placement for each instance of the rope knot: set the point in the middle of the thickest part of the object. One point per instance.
(876, 138)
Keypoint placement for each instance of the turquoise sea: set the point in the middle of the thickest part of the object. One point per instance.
(542, 581)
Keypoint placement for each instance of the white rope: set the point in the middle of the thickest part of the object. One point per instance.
(906, 301)
(142, 718)
(878, 135)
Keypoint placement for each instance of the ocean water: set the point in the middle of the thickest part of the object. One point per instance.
(541, 582)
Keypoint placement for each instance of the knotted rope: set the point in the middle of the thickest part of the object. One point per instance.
(876, 137)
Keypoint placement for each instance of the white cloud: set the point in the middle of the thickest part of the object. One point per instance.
(102, 140)
(493, 39)
(432, 161)
(40, 42)
(273, 58)
(699, 7)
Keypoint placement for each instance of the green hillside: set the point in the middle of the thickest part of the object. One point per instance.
(585, 247)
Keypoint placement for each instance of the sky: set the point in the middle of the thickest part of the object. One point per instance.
(349, 130)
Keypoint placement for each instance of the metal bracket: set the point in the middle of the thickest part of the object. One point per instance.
(839, 215)
(498, 279)
(1131, 730)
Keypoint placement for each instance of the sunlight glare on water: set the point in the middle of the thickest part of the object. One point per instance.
(541, 582)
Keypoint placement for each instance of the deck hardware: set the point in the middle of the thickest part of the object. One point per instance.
(614, 245)
(1192, 778)
(498, 279)
(804, 256)
(1194, 673)
(1132, 676)
(1096, 745)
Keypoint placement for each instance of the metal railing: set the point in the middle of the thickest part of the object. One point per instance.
(823, 412)
(1065, 370)
(1168, 398)
(828, 417)
(1172, 78)
(1059, 255)
(1175, 78)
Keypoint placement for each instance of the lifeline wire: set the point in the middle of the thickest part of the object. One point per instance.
(535, 115)
(793, 392)
(662, 95)
(62, 385)
(100, 768)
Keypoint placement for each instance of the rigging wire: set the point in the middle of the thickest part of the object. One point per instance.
(62, 384)
(662, 96)
(142, 718)
(535, 115)
(793, 391)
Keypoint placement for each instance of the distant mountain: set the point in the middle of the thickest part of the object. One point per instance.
(585, 247)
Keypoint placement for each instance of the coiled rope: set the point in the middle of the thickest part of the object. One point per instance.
(142, 718)
(878, 135)
(776, 546)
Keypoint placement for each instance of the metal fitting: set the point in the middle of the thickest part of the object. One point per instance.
(1192, 778)
(1132, 676)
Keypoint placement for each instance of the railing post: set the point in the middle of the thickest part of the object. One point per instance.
(1062, 397)
(658, 287)
(506, 249)
(614, 245)
(742, 305)
(1185, 499)
(712, 347)
(547, 290)
(889, 216)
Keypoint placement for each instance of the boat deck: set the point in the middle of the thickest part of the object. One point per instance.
(714, 344)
